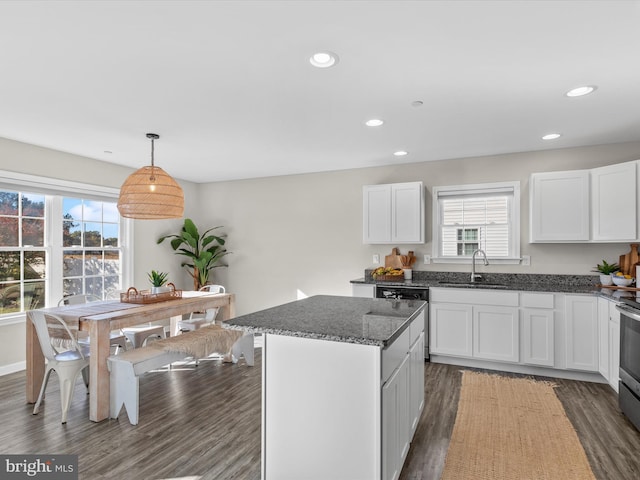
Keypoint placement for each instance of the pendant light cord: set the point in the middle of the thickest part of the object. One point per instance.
(153, 137)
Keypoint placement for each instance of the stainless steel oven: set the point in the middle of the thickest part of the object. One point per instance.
(629, 388)
(409, 293)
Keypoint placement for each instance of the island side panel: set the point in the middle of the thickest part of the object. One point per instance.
(321, 410)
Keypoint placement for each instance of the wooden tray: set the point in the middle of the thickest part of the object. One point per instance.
(618, 287)
(145, 296)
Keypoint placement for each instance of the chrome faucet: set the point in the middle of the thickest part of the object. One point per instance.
(475, 276)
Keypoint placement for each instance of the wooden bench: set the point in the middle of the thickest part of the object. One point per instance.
(126, 368)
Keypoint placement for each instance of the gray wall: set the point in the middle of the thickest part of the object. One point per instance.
(29, 159)
(302, 234)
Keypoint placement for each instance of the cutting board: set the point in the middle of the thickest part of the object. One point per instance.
(628, 261)
(394, 260)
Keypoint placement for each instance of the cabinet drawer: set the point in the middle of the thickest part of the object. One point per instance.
(417, 327)
(536, 300)
(394, 354)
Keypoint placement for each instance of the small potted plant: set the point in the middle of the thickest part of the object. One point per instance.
(158, 281)
(606, 269)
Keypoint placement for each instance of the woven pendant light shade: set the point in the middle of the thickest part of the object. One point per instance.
(150, 193)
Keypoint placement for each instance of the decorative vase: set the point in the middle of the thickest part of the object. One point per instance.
(155, 290)
(606, 280)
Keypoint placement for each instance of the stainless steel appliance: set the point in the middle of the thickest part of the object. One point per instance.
(409, 293)
(629, 387)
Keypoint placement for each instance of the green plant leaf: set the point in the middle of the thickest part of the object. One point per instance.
(203, 251)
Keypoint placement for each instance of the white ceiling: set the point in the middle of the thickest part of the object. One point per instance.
(228, 87)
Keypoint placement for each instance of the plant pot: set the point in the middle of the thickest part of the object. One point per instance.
(606, 280)
(160, 289)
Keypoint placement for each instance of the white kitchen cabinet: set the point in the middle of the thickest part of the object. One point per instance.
(559, 206)
(538, 328)
(609, 341)
(581, 316)
(496, 333)
(614, 346)
(614, 219)
(538, 337)
(393, 213)
(416, 384)
(366, 290)
(402, 395)
(474, 323)
(451, 329)
(603, 337)
(395, 421)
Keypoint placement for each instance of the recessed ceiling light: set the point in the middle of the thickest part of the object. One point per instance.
(417, 103)
(400, 153)
(108, 151)
(551, 136)
(324, 59)
(580, 91)
(374, 122)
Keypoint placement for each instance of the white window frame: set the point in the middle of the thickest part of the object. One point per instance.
(52, 186)
(480, 189)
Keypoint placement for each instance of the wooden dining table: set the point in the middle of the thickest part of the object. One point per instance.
(115, 315)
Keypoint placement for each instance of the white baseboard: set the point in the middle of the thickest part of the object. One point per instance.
(519, 368)
(13, 368)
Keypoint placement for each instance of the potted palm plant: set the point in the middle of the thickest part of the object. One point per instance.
(203, 251)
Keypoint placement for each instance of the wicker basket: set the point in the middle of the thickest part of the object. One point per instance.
(389, 278)
(145, 296)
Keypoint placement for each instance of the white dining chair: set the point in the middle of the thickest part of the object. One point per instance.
(197, 320)
(67, 363)
(117, 340)
(140, 334)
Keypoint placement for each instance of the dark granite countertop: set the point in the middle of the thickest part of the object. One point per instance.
(366, 321)
(581, 284)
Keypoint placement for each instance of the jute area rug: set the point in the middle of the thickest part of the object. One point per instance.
(512, 429)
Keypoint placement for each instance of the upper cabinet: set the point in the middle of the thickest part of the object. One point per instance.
(393, 213)
(560, 206)
(613, 202)
(598, 205)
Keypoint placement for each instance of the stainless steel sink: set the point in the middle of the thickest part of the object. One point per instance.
(474, 285)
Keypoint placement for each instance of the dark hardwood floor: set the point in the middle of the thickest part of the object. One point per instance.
(205, 421)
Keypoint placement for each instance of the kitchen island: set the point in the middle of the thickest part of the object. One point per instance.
(342, 386)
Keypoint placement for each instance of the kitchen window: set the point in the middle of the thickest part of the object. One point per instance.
(58, 238)
(471, 217)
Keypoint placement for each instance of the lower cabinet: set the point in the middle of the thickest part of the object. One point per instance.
(582, 332)
(538, 337)
(496, 333)
(402, 397)
(614, 352)
(451, 329)
(609, 341)
(554, 330)
(479, 325)
(395, 422)
(416, 384)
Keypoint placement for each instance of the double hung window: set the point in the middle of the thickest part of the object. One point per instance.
(471, 217)
(58, 239)
(23, 256)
